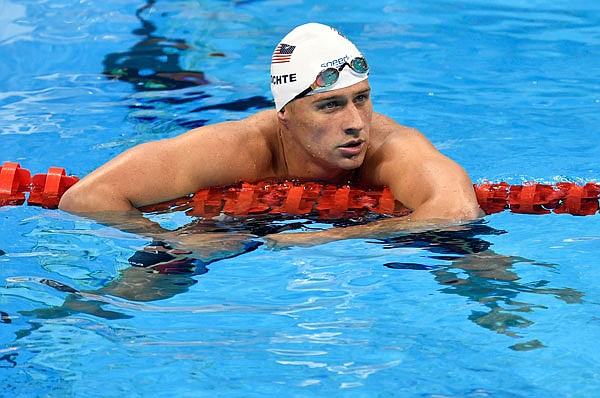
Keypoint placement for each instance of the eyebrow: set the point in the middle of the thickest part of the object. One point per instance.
(328, 99)
(338, 97)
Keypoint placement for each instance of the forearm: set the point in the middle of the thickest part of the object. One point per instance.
(205, 246)
(373, 230)
(131, 221)
(92, 201)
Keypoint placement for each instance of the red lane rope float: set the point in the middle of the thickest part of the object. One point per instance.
(284, 198)
(562, 198)
(45, 190)
(14, 182)
(290, 198)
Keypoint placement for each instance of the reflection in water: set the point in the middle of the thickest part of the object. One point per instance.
(481, 275)
(153, 64)
(157, 272)
(160, 271)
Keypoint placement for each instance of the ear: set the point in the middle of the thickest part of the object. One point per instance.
(282, 116)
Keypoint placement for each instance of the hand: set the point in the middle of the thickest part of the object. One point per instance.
(490, 265)
(302, 239)
(209, 246)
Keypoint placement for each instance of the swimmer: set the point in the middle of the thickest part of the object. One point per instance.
(323, 128)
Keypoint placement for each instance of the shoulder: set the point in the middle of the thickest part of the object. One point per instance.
(403, 151)
(226, 152)
(249, 136)
(260, 122)
(394, 147)
(386, 132)
(421, 177)
(401, 157)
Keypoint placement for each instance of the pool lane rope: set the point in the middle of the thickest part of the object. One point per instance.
(327, 201)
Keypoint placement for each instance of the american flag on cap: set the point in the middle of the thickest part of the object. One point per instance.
(282, 54)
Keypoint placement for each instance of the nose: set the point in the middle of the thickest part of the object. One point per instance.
(353, 120)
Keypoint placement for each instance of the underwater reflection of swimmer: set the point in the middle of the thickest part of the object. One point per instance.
(153, 64)
(157, 272)
(481, 275)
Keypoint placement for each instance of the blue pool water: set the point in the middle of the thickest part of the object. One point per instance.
(509, 89)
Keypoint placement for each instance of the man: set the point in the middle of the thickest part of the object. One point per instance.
(323, 129)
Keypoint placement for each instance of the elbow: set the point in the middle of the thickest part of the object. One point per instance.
(73, 200)
(468, 211)
(443, 211)
(83, 198)
(471, 213)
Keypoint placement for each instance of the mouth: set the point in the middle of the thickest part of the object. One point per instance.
(352, 148)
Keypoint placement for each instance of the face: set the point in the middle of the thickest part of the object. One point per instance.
(330, 130)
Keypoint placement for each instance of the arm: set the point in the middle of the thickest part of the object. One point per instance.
(153, 172)
(157, 171)
(432, 185)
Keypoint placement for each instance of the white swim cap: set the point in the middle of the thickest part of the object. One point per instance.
(306, 51)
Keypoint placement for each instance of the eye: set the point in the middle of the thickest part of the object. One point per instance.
(328, 105)
(361, 98)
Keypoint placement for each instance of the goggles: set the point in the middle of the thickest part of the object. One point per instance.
(329, 76)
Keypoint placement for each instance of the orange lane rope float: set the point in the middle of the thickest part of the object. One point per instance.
(44, 189)
(290, 198)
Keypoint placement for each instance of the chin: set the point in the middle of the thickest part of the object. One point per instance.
(351, 164)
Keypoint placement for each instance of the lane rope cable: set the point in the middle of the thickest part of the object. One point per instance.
(290, 198)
